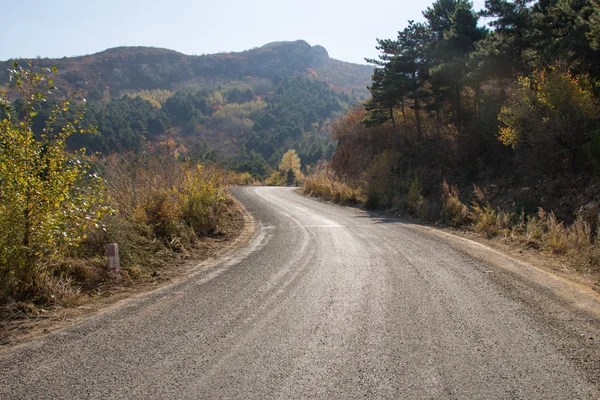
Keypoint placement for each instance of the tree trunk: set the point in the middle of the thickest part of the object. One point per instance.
(27, 273)
(476, 101)
(458, 108)
(403, 112)
(438, 116)
(418, 119)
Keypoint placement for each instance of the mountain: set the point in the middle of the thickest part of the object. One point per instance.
(248, 107)
(107, 73)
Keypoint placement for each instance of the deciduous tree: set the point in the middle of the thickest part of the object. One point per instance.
(48, 197)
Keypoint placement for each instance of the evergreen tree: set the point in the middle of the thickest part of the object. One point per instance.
(561, 32)
(503, 53)
(455, 30)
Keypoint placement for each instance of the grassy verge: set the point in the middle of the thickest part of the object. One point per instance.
(59, 207)
(165, 212)
(22, 321)
(576, 244)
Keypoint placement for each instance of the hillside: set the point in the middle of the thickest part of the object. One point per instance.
(136, 68)
(245, 109)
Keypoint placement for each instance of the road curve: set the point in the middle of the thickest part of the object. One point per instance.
(326, 302)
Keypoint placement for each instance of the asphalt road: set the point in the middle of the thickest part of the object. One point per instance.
(332, 303)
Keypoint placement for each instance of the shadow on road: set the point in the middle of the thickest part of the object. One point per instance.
(379, 218)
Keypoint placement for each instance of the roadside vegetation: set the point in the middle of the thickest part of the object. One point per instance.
(59, 208)
(495, 130)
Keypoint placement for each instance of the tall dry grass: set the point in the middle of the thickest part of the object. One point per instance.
(166, 194)
(241, 179)
(454, 212)
(162, 207)
(322, 182)
(578, 242)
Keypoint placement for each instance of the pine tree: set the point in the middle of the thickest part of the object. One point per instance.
(455, 30)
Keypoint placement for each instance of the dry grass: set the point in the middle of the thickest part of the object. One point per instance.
(322, 183)
(579, 242)
(277, 178)
(178, 200)
(454, 212)
(161, 208)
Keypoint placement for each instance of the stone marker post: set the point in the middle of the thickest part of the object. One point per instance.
(112, 252)
(213, 222)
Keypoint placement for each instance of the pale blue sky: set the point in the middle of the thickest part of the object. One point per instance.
(56, 28)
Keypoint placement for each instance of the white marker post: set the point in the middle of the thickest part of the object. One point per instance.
(112, 252)
(213, 222)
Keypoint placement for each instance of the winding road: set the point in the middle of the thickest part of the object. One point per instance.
(329, 302)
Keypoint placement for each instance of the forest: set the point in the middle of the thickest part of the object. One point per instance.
(243, 130)
(483, 119)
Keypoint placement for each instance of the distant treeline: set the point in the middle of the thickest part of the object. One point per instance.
(245, 125)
